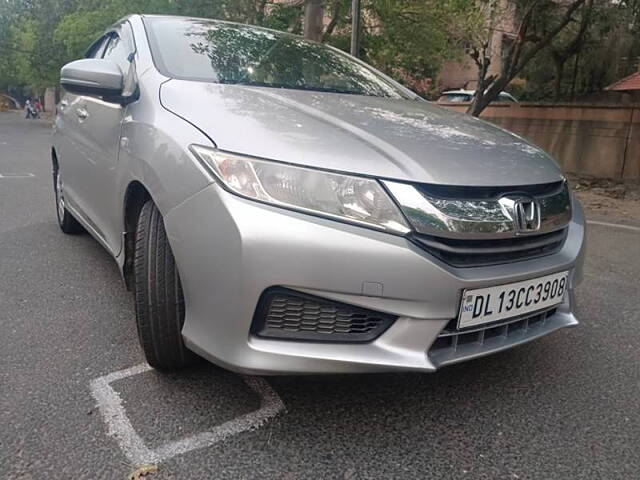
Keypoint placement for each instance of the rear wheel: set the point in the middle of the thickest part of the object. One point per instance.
(158, 294)
(68, 224)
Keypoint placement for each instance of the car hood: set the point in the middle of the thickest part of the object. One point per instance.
(411, 140)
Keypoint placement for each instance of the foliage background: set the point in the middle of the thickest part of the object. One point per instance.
(407, 39)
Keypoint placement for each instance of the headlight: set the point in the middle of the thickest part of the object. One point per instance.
(354, 199)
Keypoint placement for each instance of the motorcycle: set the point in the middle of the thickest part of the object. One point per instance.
(32, 112)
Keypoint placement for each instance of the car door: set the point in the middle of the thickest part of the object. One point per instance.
(99, 127)
(68, 139)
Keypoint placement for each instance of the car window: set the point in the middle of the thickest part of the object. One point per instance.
(228, 53)
(97, 49)
(118, 51)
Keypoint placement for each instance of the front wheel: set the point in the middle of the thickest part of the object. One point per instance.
(158, 294)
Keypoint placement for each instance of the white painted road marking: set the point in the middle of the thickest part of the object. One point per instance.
(16, 175)
(119, 426)
(132, 445)
(614, 225)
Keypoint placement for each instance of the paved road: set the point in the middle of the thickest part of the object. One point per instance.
(564, 407)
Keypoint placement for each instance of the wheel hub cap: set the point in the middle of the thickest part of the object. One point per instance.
(60, 203)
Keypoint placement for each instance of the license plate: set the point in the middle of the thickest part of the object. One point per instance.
(485, 305)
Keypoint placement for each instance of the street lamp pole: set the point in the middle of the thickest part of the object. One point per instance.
(355, 27)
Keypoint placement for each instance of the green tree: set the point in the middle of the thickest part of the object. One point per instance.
(609, 49)
(407, 39)
(411, 39)
(29, 56)
(539, 22)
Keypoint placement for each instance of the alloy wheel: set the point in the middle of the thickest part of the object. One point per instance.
(59, 197)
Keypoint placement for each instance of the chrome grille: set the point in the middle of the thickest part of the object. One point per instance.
(476, 226)
(476, 253)
(477, 213)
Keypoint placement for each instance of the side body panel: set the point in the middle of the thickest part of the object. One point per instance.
(153, 146)
(65, 143)
(94, 165)
(141, 142)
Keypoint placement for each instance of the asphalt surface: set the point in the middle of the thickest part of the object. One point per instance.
(563, 407)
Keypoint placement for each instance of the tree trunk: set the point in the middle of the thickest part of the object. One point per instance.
(557, 83)
(355, 27)
(480, 103)
(260, 12)
(313, 17)
(483, 61)
(574, 77)
(335, 17)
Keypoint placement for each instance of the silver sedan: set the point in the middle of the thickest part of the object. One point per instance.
(278, 206)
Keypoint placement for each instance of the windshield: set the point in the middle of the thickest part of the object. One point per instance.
(211, 51)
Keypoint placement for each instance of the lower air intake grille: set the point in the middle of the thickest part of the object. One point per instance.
(287, 314)
(454, 345)
(452, 339)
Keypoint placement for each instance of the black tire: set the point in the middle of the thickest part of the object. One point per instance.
(68, 224)
(158, 294)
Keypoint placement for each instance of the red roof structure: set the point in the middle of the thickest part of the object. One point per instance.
(632, 82)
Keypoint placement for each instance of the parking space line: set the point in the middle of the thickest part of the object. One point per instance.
(114, 415)
(132, 445)
(614, 225)
(270, 406)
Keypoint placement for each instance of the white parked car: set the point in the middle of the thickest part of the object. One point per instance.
(462, 96)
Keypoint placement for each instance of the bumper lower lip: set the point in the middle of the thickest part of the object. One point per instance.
(229, 250)
(491, 339)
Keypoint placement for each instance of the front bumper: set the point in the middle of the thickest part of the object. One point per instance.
(229, 250)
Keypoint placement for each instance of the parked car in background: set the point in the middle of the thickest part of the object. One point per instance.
(463, 96)
(278, 206)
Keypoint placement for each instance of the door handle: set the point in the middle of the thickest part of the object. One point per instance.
(82, 113)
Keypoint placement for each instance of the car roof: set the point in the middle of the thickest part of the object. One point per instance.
(470, 92)
(460, 91)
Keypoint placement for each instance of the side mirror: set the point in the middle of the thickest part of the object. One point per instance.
(92, 76)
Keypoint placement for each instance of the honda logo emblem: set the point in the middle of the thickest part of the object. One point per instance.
(523, 211)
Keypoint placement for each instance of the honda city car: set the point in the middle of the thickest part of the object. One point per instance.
(278, 206)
